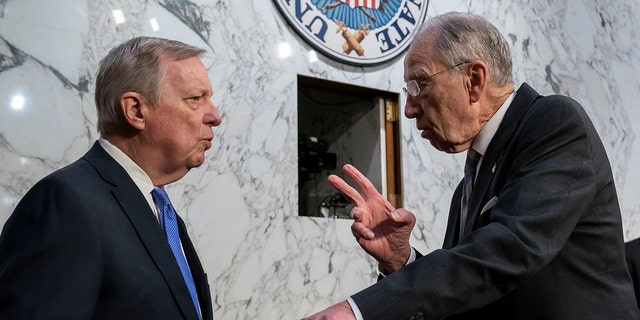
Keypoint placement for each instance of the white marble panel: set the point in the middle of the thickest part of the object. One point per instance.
(263, 261)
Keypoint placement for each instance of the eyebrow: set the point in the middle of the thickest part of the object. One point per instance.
(418, 75)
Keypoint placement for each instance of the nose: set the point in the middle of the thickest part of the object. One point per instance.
(411, 110)
(213, 117)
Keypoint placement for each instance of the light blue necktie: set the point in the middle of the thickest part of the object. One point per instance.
(469, 176)
(169, 224)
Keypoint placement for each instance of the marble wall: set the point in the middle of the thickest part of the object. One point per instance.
(265, 262)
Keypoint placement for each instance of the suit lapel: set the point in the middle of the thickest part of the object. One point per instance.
(524, 98)
(143, 220)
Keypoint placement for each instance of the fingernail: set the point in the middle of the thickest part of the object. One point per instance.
(395, 215)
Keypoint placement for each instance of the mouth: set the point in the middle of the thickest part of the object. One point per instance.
(425, 132)
(207, 143)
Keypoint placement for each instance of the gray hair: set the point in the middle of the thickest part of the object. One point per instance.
(134, 66)
(459, 37)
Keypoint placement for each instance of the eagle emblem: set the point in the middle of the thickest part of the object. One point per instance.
(367, 32)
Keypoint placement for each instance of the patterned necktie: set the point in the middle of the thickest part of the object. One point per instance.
(469, 176)
(169, 224)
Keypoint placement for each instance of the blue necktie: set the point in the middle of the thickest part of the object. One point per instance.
(169, 224)
(469, 176)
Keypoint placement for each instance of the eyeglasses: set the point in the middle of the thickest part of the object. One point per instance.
(412, 88)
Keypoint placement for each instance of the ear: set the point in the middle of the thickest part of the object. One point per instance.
(132, 105)
(478, 78)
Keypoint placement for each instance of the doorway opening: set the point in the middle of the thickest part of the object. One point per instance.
(340, 123)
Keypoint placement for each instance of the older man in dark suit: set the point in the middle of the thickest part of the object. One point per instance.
(534, 229)
(99, 238)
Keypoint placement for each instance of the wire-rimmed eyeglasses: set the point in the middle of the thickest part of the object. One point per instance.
(412, 87)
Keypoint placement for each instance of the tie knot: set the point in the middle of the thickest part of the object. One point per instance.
(472, 161)
(160, 197)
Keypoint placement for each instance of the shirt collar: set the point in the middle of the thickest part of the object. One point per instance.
(482, 140)
(139, 177)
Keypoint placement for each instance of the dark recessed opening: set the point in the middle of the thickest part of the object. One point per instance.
(338, 124)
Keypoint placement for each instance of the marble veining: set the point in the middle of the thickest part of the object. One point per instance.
(263, 261)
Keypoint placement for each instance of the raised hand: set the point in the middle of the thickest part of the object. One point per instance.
(381, 230)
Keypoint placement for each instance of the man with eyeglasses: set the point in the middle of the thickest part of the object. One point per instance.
(534, 228)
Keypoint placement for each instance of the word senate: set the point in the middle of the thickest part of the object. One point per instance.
(367, 32)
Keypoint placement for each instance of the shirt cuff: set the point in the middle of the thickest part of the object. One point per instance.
(412, 258)
(355, 309)
(352, 303)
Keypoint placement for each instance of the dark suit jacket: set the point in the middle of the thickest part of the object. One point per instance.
(84, 244)
(549, 246)
(632, 249)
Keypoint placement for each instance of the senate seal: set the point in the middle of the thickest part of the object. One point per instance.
(356, 32)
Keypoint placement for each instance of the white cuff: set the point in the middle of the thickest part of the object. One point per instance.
(412, 258)
(355, 309)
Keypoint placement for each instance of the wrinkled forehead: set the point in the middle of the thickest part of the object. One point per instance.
(186, 75)
(420, 61)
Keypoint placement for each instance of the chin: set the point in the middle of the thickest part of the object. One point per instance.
(437, 146)
(198, 163)
(194, 163)
(444, 147)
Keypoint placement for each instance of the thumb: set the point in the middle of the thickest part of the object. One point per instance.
(403, 216)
